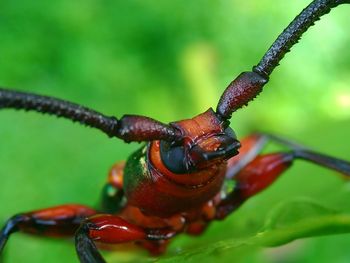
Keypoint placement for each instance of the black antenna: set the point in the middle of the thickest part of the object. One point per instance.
(291, 35)
(249, 84)
(128, 128)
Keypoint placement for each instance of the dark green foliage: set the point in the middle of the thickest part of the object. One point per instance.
(171, 60)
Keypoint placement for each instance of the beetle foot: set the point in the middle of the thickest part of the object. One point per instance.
(10, 227)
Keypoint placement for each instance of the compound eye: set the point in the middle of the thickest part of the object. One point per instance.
(173, 157)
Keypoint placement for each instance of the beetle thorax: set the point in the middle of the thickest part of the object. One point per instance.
(188, 176)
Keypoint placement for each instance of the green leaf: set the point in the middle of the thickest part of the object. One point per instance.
(288, 221)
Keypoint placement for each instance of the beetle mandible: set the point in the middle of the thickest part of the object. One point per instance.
(174, 183)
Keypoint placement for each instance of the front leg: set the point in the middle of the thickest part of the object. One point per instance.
(253, 145)
(253, 172)
(56, 221)
(113, 198)
(112, 230)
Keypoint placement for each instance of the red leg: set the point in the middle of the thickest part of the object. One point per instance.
(265, 169)
(253, 178)
(261, 172)
(253, 144)
(57, 221)
(113, 198)
(112, 230)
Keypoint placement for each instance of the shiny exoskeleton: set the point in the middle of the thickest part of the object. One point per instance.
(176, 182)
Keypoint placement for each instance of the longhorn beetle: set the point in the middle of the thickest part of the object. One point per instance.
(174, 183)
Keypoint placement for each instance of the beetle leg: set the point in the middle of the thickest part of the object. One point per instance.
(263, 170)
(57, 221)
(113, 198)
(110, 229)
(251, 147)
(253, 144)
(258, 174)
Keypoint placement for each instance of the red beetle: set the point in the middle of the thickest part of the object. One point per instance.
(176, 182)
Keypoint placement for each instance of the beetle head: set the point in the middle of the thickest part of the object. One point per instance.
(206, 140)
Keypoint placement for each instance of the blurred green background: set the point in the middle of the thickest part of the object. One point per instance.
(169, 60)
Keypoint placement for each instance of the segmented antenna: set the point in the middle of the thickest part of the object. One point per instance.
(129, 127)
(249, 84)
(291, 35)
